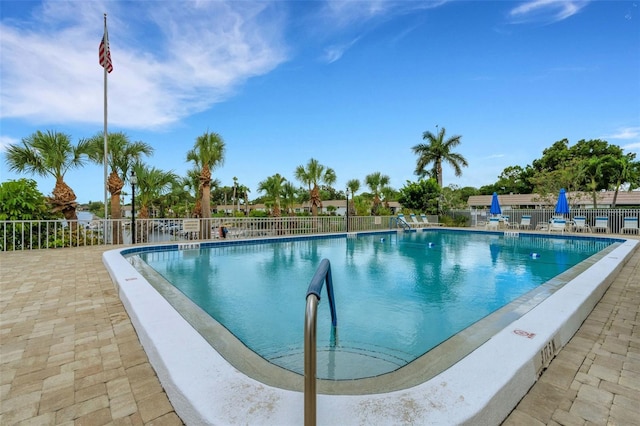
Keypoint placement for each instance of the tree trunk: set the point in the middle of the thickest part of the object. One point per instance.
(615, 195)
(205, 223)
(315, 200)
(64, 200)
(114, 185)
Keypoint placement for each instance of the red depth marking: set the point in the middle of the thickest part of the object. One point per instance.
(523, 333)
(130, 279)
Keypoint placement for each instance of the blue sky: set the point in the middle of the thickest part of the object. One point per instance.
(353, 84)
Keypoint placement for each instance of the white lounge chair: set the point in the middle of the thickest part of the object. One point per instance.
(416, 222)
(602, 224)
(630, 224)
(558, 225)
(525, 222)
(425, 220)
(494, 223)
(580, 224)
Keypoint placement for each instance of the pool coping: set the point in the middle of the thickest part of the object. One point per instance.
(205, 389)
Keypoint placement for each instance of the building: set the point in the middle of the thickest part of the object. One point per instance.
(604, 199)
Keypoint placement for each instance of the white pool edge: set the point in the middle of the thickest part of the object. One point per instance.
(482, 388)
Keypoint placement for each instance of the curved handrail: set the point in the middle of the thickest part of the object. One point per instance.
(323, 273)
(401, 222)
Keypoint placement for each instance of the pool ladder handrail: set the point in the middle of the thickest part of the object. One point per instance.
(399, 223)
(323, 273)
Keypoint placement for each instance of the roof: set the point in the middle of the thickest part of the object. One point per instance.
(576, 199)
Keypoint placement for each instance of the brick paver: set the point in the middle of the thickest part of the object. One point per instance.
(70, 355)
(595, 379)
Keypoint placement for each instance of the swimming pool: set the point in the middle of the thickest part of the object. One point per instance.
(450, 390)
(397, 295)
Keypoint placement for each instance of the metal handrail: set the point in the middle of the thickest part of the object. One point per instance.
(399, 222)
(323, 273)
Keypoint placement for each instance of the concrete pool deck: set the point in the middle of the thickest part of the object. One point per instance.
(69, 353)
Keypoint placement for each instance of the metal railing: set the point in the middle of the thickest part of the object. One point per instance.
(323, 273)
(47, 234)
(615, 216)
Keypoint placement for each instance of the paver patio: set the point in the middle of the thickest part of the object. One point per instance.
(70, 355)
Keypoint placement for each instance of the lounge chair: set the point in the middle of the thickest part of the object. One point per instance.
(425, 220)
(494, 223)
(557, 225)
(580, 224)
(416, 222)
(602, 224)
(525, 223)
(630, 224)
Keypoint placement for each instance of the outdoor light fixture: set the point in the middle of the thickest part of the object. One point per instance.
(134, 181)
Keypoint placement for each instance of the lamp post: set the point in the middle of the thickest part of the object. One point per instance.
(134, 181)
(347, 192)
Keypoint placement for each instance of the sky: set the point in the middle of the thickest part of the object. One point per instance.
(353, 84)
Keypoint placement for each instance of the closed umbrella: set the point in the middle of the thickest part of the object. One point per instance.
(495, 205)
(562, 206)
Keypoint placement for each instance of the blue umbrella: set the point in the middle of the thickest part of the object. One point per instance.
(562, 206)
(495, 205)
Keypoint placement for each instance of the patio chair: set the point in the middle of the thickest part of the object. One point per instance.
(557, 225)
(602, 224)
(580, 224)
(416, 222)
(525, 223)
(494, 223)
(630, 224)
(425, 220)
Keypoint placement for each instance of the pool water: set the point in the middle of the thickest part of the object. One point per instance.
(397, 295)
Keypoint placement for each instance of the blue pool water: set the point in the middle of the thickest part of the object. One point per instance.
(397, 295)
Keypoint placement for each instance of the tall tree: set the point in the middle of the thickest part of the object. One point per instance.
(353, 185)
(273, 187)
(314, 174)
(207, 153)
(377, 182)
(289, 199)
(51, 154)
(121, 155)
(436, 151)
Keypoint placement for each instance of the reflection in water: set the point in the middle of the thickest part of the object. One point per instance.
(397, 295)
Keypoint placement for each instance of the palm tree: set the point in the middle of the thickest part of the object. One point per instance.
(273, 186)
(376, 182)
(121, 155)
(152, 184)
(207, 154)
(353, 185)
(627, 171)
(437, 151)
(314, 174)
(289, 195)
(51, 154)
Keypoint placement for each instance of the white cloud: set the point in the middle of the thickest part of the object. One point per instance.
(169, 61)
(333, 53)
(547, 11)
(5, 141)
(632, 147)
(625, 133)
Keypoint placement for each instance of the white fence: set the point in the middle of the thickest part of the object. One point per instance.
(47, 234)
(615, 217)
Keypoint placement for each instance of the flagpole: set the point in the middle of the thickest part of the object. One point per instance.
(105, 127)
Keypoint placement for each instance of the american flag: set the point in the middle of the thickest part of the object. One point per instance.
(104, 53)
